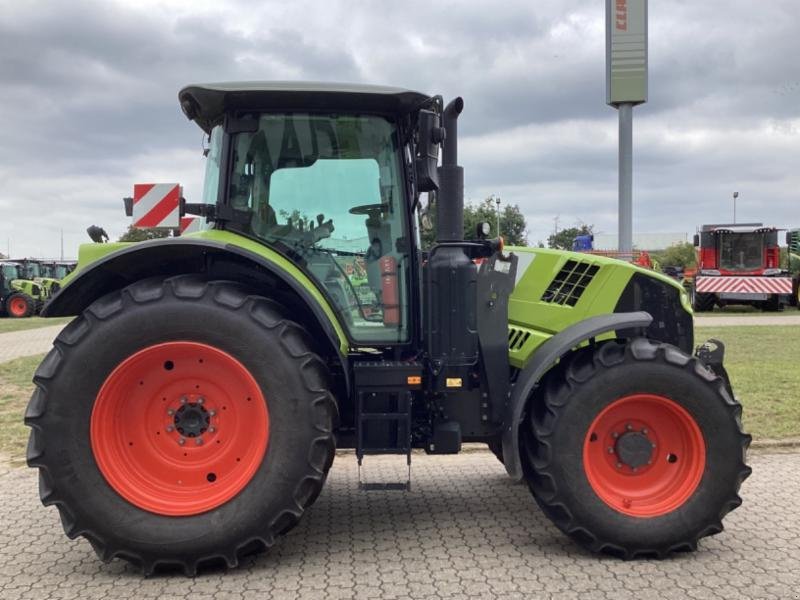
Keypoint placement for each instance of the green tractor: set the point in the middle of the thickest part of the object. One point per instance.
(19, 296)
(51, 274)
(219, 371)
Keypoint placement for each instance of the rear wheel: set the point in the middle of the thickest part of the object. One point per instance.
(181, 423)
(635, 450)
(19, 305)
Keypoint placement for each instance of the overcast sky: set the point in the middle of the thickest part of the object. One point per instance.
(88, 102)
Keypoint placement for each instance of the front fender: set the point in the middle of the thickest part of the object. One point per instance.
(543, 359)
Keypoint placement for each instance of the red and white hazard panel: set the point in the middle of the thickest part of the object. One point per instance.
(156, 205)
(744, 285)
(191, 224)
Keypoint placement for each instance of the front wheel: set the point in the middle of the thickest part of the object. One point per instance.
(20, 306)
(181, 423)
(702, 302)
(635, 449)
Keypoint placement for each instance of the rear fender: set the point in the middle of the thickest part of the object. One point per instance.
(543, 359)
(266, 275)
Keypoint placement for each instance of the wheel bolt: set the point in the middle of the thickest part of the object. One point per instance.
(629, 427)
(615, 435)
(184, 400)
(199, 442)
(211, 429)
(610, 450)
(170, 412)
(212, 412)
(653, 444)
(200, 400)
(644, 430)
(181, 441)
(634, 469)
(619, 465)
(170, 429)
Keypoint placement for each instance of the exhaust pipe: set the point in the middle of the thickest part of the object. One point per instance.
(450, 203)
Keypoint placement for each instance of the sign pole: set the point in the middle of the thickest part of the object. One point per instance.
(626, 86)
(625, 225)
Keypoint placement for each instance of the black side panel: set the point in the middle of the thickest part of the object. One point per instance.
(495, 283)
(671, 323)
(451, 323)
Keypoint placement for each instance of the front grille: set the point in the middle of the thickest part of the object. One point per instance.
(517, 338)
(568, 286)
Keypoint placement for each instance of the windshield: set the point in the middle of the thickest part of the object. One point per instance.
(60, 272)
(741, 251)
(10, 272)
(32, 270)
(326, 190)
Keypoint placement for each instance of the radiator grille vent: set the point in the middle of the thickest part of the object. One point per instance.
(517, 338)
(568, 286)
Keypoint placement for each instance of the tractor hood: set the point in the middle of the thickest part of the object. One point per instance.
(556, 289)
(206, 103)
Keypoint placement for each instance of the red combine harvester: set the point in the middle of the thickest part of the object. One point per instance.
(739, 264)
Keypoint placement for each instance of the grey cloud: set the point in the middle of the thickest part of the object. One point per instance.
(88, 94)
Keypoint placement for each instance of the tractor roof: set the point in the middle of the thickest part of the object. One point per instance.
(207, 103)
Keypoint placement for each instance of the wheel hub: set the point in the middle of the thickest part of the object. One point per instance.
(634, 449)
(179, 428)
(192, 419)
(644, 455)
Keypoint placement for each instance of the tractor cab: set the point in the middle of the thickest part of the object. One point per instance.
(326, 187)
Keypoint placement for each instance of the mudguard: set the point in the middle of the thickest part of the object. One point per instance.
(175, 256)
(544, 358)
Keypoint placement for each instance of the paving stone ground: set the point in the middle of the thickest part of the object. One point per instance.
(465, 530)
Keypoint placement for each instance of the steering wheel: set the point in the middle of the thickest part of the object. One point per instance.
(369, 209)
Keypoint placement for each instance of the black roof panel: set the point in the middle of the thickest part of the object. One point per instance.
(206, 103)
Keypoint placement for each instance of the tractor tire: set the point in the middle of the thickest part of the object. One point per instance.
(703, 302)
(20, 306)
(180, 424)
(634, 449)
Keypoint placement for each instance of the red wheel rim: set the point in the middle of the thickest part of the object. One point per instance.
(644, 455)
(179, 428)
(17, 307)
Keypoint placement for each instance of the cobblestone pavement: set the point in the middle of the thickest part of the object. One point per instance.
(465, 530)
(742, 320)
(27, 342)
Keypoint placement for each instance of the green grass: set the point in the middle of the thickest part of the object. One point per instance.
(763, 366)
(762, 363)
(15, 389)
(7, 325)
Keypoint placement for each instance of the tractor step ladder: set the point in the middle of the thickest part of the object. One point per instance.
(384, 427)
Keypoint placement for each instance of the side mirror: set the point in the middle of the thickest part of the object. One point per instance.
(429, 135)
(696, 240)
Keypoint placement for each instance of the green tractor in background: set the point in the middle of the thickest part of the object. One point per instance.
(793, 251)
(219, 371)
(51, 274)
(19, 296)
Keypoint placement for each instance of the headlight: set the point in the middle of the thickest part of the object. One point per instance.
(768, 272)
(710, 272)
